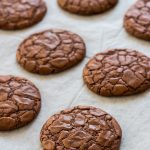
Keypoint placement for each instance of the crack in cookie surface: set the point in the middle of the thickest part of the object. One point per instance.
(81, 128)
(87, 7)
(118, 72)
(137, 19)
(20, 102)
(51, 51)
(19, 14)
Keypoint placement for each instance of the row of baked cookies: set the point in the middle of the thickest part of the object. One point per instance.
(81, 127)
(115, 72)
(136, 20)
(21, 14)
(112, 73)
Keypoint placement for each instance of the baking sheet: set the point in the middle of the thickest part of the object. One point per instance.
(67, 89)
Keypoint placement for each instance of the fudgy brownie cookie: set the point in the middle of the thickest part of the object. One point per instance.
(87, 7)
(19, 102)
(81, 128)
(19, 14)
(51, 51)
(137, 20)
(118, 72)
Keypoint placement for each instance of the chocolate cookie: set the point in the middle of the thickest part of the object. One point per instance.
(81, 128)
(118, 72)
(87, 7)
(137, 20)
(51, 51)
(19, 102)
(19, 14)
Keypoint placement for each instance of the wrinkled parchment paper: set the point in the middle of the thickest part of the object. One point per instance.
(67, 89)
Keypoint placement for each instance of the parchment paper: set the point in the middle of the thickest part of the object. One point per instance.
(67, 89)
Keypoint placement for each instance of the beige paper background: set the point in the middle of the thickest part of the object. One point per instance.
(67, 89)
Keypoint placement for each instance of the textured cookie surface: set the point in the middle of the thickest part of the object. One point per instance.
(81, 128)
(19, 102)
(51, 51)
(117, 73)
(19, 14)
(137, 19)
(87, 7)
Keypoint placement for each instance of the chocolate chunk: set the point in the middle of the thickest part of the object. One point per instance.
(51, 51)
(137, 20)
(81, 128)
(87, 7)
(19, 14)
(20, 102)
(118, 72)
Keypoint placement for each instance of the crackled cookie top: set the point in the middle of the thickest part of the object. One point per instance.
(81, 128)
(87, 7)
(137, 19)
(51, 51)
(19, 102)
(19, 14)
(117, 73)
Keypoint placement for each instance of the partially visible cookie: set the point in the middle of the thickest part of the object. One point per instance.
(137, 20)
(87, 7)
(19, 14)
(118, 72)
(51, 51)
(20, 102)
(81, 128)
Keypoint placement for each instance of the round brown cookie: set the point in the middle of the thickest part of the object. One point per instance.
(51, 51)
(137, 20)
(19, 102)
(81, 128)
(19, 14)
(87, 7)
(118, 72)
